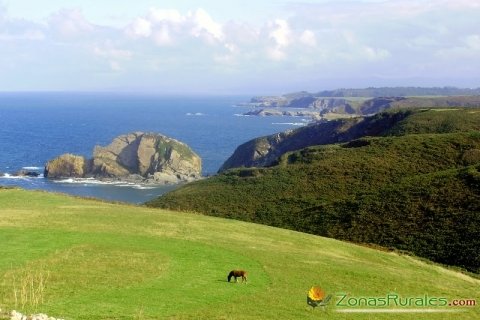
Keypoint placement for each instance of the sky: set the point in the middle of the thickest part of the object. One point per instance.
(237, 46)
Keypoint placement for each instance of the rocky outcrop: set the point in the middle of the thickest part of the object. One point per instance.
(266, 150)
(135, 156)
(25, 173)
(67, 165)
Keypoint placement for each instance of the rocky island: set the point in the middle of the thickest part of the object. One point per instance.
(140, 157)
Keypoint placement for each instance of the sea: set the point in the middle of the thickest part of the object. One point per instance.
(37, 127)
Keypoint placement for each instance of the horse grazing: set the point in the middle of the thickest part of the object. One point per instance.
(236, 274)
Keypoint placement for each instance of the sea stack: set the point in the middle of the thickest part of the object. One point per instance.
(149, 157)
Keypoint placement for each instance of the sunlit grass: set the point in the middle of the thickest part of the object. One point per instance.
(95, 260)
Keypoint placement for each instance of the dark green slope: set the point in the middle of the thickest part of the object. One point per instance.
(435, 216)
(417, 192)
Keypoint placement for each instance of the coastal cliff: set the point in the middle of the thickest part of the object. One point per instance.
(265, 151)
(373, 117)
(311, 105)
(135, 156)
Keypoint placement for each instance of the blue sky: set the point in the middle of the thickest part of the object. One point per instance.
(237, 47)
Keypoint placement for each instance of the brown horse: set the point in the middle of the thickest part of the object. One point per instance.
(236, 274)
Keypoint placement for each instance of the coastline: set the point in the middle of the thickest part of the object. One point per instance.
(115, 190)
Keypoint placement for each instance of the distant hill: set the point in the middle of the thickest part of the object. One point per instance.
(414, 187)
(398, 92)
(351, 101)
(375, 105)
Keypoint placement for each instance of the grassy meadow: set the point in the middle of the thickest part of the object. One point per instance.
(414, 187)
(85, 259)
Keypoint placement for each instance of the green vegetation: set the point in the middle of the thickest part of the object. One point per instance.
(265, 151)
(417, 188)
(84, 259)
(165, 147)
(438, 121)
(442, 103)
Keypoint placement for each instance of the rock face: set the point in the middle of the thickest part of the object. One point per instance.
(67, 165)
(135, 156)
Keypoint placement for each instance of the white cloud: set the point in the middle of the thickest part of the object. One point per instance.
(157, 15)
(393, 38)
(139, 28)
(375, 54)
(70, 23)
(107, 50)
(162, 36)
(167, 27)
(205, 26)
(308, 38)
(276, 53)
(281, 33)
(243, 34)
(112, 56)
(32, 35)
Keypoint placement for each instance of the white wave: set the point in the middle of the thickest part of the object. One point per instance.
(197, 114)
(241, 115)
(290, 123)
(126, 184)
(65, 181)
(84, 181)
(9, 176)
(140, 187)
(93, 181)
(32, 168)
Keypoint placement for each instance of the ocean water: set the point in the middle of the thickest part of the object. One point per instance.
(37, 127)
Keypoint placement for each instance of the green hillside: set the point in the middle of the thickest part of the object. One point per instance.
(417, 188)
(264, 151)
(84, 259)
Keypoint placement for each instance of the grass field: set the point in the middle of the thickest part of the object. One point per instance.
(84, 259)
